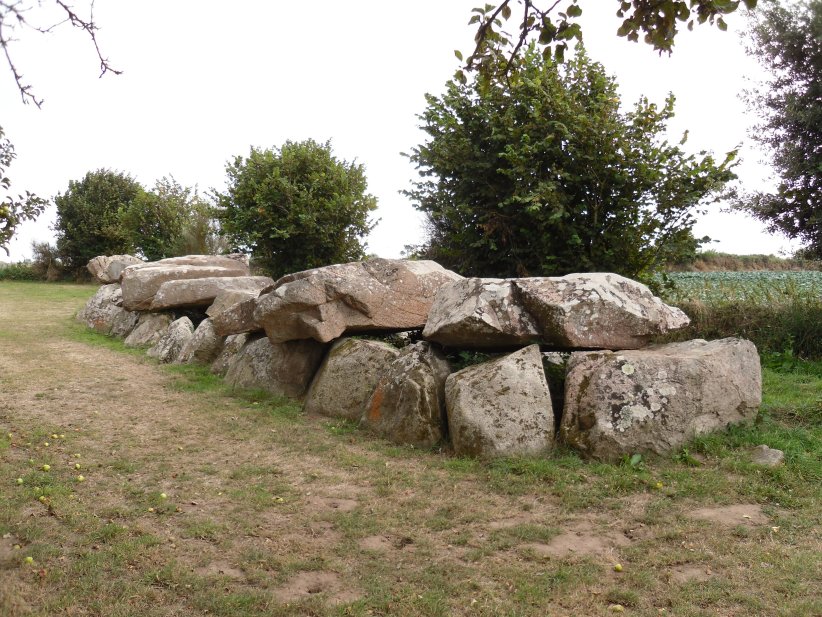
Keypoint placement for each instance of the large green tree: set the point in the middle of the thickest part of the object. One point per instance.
(169, 220)
(546, 175)
(787, 40)
(89, 217)
(296, 207)
(14, 209)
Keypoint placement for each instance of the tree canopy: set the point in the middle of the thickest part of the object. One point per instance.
(554, 24)
(296, 207)
(787, 40)
(89, 217)
(545, 175)
(14, 209)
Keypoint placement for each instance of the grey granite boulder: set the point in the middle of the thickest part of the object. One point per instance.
(103, 309)
(501, 408)
(480, 313)
(231, 347)
(150, 327)
(170, 344)
(187, 293)
(347, 377)
(596, 310)
(371, 295)
(203, 347)
(237, 318)
(285, 369)
(654, 400)
(408, 403)
(107, 269)
(141, 282)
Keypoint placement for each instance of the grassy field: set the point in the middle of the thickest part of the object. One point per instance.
(198, 500)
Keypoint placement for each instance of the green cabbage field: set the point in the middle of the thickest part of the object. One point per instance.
(760, 287)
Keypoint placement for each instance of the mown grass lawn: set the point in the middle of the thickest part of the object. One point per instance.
(196, 500)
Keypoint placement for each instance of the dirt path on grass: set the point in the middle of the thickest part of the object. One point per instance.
(199, 503)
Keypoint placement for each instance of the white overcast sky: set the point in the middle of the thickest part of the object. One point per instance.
(203, 80)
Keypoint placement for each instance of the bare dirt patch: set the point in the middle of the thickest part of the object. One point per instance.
(308, 584)
(731, 516)
(582, 539)
(690, 573)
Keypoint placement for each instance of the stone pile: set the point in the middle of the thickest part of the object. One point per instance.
(302, 337)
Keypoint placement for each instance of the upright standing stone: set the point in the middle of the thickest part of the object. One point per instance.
(658, 398)
(203, 347)
(168, 348)
(150, 327)
(408, 403)
(284, 369)
(502, 407)
(347, 377)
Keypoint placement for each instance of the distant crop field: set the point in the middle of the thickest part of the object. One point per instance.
(759, 287)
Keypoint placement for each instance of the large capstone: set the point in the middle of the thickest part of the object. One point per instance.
(284, 369)
(202, 292)
(347, 377)
(372, 295)
(654, 400)
(408, 403)
(107, 269)
(501, 408)
(141, 283)
(597, 310)
(484, 313)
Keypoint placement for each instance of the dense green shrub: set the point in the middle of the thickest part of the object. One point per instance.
(20, 271)
(296, 207)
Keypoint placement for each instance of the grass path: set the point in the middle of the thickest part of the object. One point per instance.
(200, 501)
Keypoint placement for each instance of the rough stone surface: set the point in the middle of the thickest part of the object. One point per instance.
(237, 319)
(170, 344)
(141, 282)
(347, 377)
(231, 347)
(656, 399)
(102, 309)
(124, 323)
(203, 347)
(408, 403)
(377, 294)
(226, 299)
(285, 369)
(108, 268)
(767, 457)
(203, 291)
(477, 313)
(150, 327)
(597, 310)
(501, 408)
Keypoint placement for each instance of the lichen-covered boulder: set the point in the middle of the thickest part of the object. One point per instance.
(227, 299)
(231, 347)
(284, 369)
(150, 327)
(408, 403)
(656, 399)
(107, 269)
(596, 310)
(501, 408)
(347, 377)
(141, 282)
(102, 309)
(124, 323)
(237, 318)
(186, 293)
(203, 347)
(480, 313)
(171, 343)
(376, 294)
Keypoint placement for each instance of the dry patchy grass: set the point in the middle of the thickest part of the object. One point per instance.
(201, 501)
